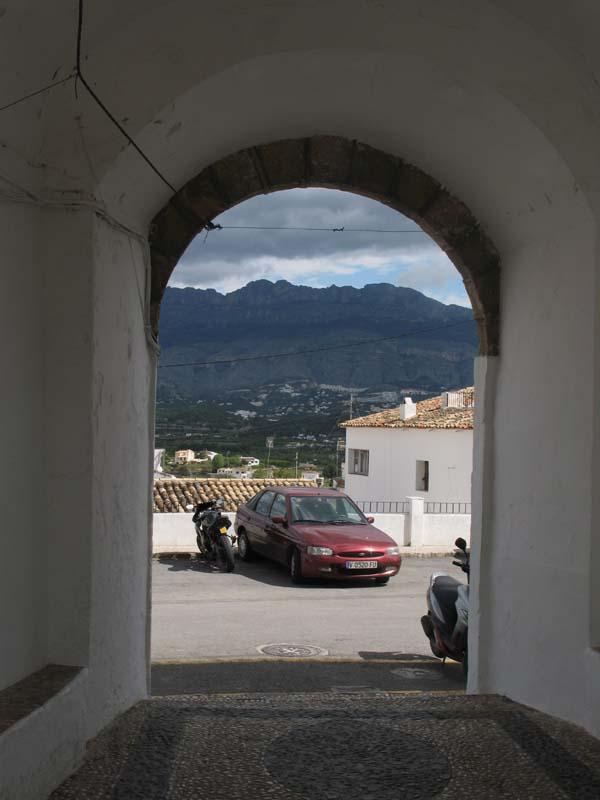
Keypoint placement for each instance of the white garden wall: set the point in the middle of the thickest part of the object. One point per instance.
(174, 533)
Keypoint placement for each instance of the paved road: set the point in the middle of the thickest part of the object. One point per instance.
(201, 614)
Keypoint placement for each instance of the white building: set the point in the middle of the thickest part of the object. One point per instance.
(420, 449)
(250, 461)
(311, 474)
(234, 472)
(184, 456)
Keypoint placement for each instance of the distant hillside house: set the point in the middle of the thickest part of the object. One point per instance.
(183, 456)
(311, 474)
(250, 461)
(234, 472)
(420, 449)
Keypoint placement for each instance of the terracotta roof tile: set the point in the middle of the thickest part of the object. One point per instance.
(430, 414)
(171, 495)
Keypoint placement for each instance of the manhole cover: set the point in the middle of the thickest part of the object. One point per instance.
(291, 650)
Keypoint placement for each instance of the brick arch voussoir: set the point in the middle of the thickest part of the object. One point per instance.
(337, 163)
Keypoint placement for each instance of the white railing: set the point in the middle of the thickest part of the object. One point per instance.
(383, 506)
(445, 507)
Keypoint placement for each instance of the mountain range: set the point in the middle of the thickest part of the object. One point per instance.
(415, 344)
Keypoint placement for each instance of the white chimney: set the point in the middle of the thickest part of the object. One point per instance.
(408, 409)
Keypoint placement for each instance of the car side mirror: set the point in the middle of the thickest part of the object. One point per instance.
(370, 520)
(461, 544)
(279, 520)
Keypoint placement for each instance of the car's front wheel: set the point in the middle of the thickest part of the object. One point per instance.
(296, 566)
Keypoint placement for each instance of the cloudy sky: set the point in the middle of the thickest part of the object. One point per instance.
(227, 259)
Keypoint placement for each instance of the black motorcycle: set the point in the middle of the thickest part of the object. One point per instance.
(213, 538)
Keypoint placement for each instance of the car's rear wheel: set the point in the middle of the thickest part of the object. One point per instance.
(296, 566)
(245, 551)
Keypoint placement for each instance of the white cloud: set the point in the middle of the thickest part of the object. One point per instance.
(228, 259)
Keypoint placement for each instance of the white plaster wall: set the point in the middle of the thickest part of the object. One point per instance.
(67, 278)
(22, 563)
(442, 530)
(41, 750)
(174, 533)
(497, 100)
(122, 409)
(392, 464)
(395, 525)
(535, 547)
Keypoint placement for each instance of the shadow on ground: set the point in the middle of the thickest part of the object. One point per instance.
(400, 673)
(259, 569)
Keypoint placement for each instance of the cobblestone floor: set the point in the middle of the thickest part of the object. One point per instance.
(324, 746)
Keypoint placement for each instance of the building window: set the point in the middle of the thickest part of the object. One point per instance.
(358, 461)
(422, 476)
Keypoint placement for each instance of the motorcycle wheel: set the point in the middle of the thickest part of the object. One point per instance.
(199, 545)
(225, 554)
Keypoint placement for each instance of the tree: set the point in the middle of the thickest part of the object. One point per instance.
(218, 462)
(330, 470)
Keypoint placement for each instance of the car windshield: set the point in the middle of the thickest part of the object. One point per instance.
(326, 510)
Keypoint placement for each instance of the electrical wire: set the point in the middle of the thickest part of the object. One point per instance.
(37, 91)
(80, 76)
(343, 229)
(357, 343)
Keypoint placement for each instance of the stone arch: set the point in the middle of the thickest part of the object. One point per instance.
(336, 163)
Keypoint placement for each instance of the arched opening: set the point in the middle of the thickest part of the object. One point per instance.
(478, 95)
(332, 162)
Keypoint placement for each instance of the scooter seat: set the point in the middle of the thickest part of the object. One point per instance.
(445, 589)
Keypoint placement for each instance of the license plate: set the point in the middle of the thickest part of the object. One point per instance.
(361, 564)
(222, 530)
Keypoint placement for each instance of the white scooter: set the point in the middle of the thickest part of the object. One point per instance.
(446, 623)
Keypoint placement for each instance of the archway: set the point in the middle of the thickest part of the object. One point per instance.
(332, 162)
(204, 315)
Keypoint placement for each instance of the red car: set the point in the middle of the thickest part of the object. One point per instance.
(316, 533)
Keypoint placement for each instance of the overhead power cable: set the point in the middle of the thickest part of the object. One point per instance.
(344, 229)
(80, 76)
(357, 343)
